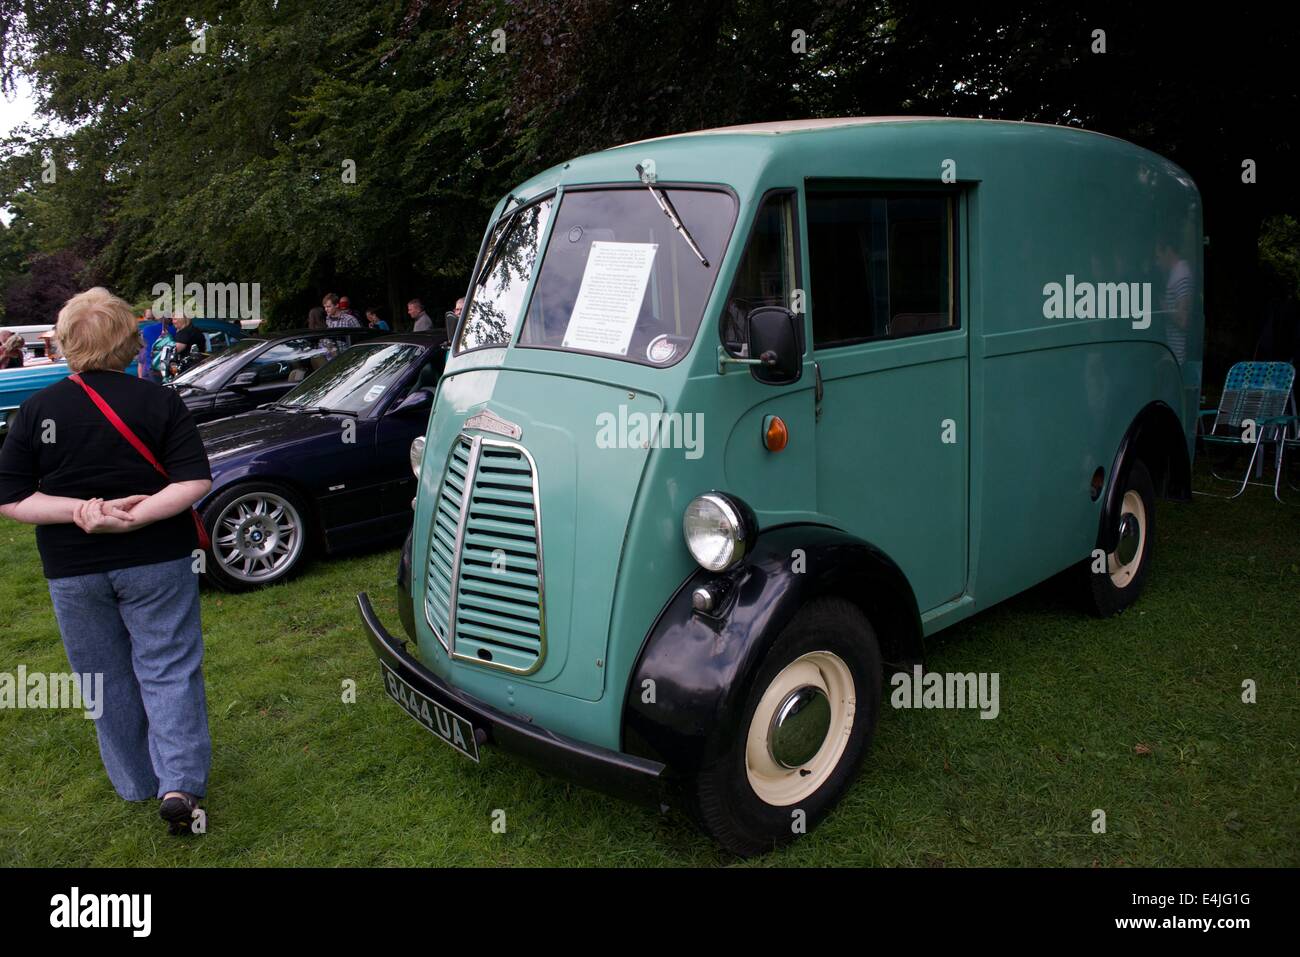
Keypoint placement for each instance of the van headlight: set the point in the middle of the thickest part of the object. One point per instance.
(417, 454)
(719, 530)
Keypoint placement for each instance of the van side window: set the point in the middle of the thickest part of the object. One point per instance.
(504, 274)
(882, 265)
(767, 275)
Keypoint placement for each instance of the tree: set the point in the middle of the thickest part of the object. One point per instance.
(51, 279)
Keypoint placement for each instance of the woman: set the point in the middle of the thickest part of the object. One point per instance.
(118, 542)
(316, 318)
(142, 359)
(11, 349)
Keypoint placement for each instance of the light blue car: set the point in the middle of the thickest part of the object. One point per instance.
(16, 385)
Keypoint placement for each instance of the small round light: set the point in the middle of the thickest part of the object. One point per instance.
(717, 531)
(702, 599)
(775, 435)
(417, 454)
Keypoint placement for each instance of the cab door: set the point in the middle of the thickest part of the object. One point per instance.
(778, 485)
(891, 351)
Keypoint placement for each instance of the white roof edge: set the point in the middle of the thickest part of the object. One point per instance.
(799, 126)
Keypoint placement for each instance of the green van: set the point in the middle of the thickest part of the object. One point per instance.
(733, 420)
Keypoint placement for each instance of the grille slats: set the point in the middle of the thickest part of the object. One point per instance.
(486, 603)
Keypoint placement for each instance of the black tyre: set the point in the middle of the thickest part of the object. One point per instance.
(259, 536)
(1115, 581)
(806, 726)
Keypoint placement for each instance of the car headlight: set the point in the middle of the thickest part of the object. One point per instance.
(719, 530)
(417, 454)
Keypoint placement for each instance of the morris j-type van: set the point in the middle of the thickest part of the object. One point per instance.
(734, 420)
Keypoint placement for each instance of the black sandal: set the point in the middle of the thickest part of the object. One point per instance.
(178, 812)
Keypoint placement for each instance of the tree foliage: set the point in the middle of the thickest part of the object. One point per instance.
(228, 163)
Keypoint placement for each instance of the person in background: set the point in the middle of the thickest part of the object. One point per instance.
(150, 333)
(375, 321)
(336, 317)
(188, 337)
(421, 320)
(452, 319)
(316, 318)
(11, 349)
(1177, 302)
(51, 345)
(116, 540)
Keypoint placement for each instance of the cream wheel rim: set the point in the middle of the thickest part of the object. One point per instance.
(1131, 509)
(819, 679)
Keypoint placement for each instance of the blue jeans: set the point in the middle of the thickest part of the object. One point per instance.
(139, 627)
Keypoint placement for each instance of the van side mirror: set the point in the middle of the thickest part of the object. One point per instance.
(774, 341)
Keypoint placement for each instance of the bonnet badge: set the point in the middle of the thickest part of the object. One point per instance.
(489, 421)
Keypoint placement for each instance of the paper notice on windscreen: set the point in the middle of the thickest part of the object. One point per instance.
(609, 299)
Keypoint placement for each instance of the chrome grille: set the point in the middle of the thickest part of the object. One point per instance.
(484, 595)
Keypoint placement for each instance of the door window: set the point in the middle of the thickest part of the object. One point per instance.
(882, 265)
(768, 272)
(287, 362)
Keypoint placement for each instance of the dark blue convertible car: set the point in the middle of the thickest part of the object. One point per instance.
(325, 467)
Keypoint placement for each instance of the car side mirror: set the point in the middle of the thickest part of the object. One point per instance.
(417, 403)
(774, 341)
(244, 380)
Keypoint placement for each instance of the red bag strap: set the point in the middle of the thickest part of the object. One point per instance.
(124, 430)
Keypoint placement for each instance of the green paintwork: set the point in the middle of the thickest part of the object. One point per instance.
(1037, 404)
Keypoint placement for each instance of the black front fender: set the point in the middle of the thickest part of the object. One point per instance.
(405, 603)
(691, 680)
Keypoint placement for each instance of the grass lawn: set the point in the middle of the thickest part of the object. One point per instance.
(1140, 716)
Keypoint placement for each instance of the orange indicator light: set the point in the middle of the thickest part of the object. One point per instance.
(775, 435)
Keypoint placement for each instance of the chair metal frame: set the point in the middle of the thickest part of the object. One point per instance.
(1260, 393)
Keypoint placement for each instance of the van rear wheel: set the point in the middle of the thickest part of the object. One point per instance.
(806, 726)
(1116, 582)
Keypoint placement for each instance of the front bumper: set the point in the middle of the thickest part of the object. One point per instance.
(612, 772)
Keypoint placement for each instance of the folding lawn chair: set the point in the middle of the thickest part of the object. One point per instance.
(1288, 448)
(1253, 410)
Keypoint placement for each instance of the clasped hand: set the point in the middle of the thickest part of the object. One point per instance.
(97, 516)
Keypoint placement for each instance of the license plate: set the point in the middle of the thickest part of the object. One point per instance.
(443, 724)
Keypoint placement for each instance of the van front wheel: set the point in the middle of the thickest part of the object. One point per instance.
(804, 731)
(1116, 580)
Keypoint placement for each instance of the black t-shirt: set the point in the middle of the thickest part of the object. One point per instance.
(191, 337)
(59, 443)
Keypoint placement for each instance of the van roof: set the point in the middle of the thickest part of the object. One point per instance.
(833, 147)
(777, 127)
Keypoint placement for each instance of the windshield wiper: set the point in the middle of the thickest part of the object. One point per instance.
(666, 205)
(318, 409)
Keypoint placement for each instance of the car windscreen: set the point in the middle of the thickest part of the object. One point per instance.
(356, 380)
(211, 373)
(619, 279)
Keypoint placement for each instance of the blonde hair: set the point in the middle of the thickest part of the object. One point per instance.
(97, 330)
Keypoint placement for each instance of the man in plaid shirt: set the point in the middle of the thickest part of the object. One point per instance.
(336, 317)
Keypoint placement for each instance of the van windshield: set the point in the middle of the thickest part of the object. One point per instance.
(617, 279)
